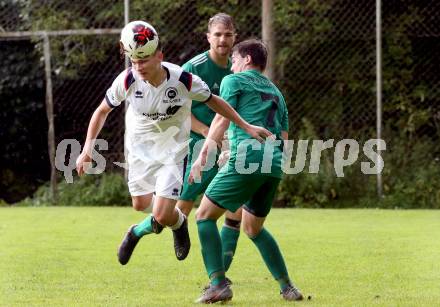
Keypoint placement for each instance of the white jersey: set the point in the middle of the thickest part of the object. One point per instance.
(159, 117)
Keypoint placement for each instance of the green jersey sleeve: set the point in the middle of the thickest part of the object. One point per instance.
(188, 67)
(230, 90)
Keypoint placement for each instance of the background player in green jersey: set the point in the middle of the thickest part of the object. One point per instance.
(211, 66)
(260, 102)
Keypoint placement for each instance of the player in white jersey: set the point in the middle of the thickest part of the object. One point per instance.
(158, 122)
(152, 114)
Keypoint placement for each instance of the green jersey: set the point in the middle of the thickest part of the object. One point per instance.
(260, 103)
(202, 66)
(212, 74)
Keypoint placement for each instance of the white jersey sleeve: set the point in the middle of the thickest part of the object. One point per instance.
(199, 90)
(119, 88)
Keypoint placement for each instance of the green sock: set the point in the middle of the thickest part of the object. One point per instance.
(272, 256)
(211, 250)
(144, 227)
(217, 278)
(284, 282)
(229, 237)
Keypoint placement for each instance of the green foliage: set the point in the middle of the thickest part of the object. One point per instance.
(107, 189)
(412, 174)
(185, 35)
(408, 181)
(325, 66)
(324, 189)
(16, 185)
(404, 90)
(419, 189)
(3, 203)
(70, 55)
(22, 96)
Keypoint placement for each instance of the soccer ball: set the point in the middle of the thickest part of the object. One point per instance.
(139, 39)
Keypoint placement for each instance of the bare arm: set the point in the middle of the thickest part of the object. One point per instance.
(217, 130)
(218, 127)
(215, 136)
(223, 108)
(95, 125)
(199, 127)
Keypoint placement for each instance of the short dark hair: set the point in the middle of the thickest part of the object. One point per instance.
(256, 49)
(222, 18)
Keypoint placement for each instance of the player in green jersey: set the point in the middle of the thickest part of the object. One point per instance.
(252, 174)
(211, 66)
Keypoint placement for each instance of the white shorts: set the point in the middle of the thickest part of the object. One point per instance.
(156, 163)
(164, 180)
(147, 175)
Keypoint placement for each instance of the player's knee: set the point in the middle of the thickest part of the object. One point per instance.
(251, 230)
(139, 205)
(162, 218)
(198, 214)
(201, 214)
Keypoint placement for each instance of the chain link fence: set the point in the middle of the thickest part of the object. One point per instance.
(411, 48)
(324, 62)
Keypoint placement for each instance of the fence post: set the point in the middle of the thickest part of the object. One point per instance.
(379, 86)
(49, 112)
(267, 35)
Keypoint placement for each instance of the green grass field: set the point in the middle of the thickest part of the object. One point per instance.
(67, 256)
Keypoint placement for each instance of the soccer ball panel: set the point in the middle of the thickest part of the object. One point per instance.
(139, 39)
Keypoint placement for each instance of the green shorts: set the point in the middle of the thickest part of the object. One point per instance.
(255, 192)
(190, 192)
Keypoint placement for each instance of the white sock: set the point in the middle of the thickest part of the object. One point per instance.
(180, 220)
